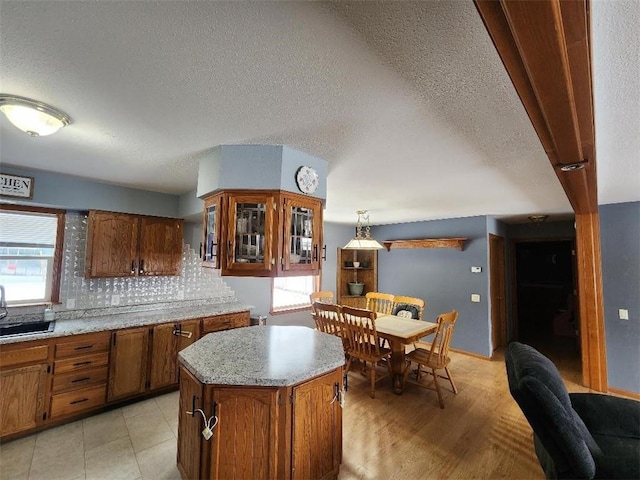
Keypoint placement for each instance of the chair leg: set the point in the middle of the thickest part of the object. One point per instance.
(373, 381)
(453, 385)
(348, 366)
(435, 382)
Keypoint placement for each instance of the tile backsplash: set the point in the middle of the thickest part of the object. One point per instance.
(79, 293)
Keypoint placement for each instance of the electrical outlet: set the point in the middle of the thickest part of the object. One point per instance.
(71, 303)
(623, 313)
(115, 300)
(475, 297)
(476, 269)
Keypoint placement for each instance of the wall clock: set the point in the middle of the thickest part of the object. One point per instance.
(307, 179)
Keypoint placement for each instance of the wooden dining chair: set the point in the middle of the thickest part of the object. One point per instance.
(363, 343)
(381, 303)
(324, 296)
(411, 307)
(328, 319)
(434, 358)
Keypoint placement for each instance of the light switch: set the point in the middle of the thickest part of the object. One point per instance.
(475, 297)
(115, 300)
(476, 269)
(623, 313)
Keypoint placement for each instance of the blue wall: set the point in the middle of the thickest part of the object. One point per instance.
(620, 237)
(442, 276)
(63, 191)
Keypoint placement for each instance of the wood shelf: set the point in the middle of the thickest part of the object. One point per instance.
(457, 242)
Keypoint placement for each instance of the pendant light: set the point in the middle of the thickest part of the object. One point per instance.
(32, 117)
(363, 240)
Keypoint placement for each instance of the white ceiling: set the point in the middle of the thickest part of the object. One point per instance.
(407, 101)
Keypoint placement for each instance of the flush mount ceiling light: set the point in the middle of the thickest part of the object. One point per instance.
(569, 167)
(538, 218)
(363, 240)
(32, 117)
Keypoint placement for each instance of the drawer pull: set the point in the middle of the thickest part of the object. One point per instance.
(80, 364)
(84, 347)
(79, 401)
(81, 379)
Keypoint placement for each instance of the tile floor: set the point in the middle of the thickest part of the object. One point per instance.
(134, 442)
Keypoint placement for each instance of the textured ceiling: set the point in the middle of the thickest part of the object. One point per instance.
(407, 101)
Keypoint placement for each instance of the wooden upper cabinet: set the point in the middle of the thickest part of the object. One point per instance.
(112, 244)
(262, 233)
(160, 246)
(301, 234)
(123, 245)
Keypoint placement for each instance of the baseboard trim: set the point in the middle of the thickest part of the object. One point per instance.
(471, 354)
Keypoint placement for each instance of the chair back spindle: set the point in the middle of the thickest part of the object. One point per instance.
(381, 303)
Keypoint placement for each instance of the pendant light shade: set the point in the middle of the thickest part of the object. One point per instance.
(363, 240)
(32, 117)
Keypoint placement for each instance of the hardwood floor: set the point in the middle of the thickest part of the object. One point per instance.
(481, 432)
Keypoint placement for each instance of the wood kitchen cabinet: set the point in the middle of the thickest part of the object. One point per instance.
(24, 377)
(166, 341)
(262, 233)
(128, 363)
(123, 245)
(286, 432)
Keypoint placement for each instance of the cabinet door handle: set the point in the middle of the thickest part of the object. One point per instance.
(133, 266)
(141, 266)
(324, 253)
(80, 364)
(79, 401)
(81, 379)
(315, 251)
(84, 347)
(213, 244)
(200, 249)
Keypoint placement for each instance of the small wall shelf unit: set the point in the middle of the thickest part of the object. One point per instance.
(457, 242)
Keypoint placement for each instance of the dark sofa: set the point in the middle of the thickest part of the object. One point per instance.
(577, 435)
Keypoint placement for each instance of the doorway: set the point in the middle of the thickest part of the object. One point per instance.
(545, 300)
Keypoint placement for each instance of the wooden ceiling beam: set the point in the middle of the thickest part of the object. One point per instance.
(545, 47)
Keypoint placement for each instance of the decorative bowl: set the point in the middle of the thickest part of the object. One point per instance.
(356, 288)
(294, 258)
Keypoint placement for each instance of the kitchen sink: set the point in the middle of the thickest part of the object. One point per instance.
(25, 328)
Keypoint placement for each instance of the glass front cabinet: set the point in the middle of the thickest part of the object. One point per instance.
(262, 233)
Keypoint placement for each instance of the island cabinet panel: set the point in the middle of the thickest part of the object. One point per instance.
(317, 428)
(190, 425)
(128, 363)
(163, 361)
(112, 245)
(22, 398)
(243, 443)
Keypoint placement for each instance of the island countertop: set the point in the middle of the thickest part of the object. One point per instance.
(269, 356)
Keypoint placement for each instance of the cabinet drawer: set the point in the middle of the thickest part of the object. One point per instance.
(79, 363)
(78, 400)
(76, 380)
(23, 354)
(225, 322)
(84, 344)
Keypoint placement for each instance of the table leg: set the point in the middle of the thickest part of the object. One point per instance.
(397, 366)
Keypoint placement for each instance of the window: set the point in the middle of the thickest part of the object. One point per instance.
(30, 253)
(292, 293)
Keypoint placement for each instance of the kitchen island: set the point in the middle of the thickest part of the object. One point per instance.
(271, 396)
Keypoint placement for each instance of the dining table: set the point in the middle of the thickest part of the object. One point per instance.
(400, 331)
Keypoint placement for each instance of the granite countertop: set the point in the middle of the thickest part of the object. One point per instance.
(270, 356)
(100, 323)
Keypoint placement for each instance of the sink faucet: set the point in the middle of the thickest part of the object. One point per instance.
(3, 303)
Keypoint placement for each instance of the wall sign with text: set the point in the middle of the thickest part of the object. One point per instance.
(16, 186)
